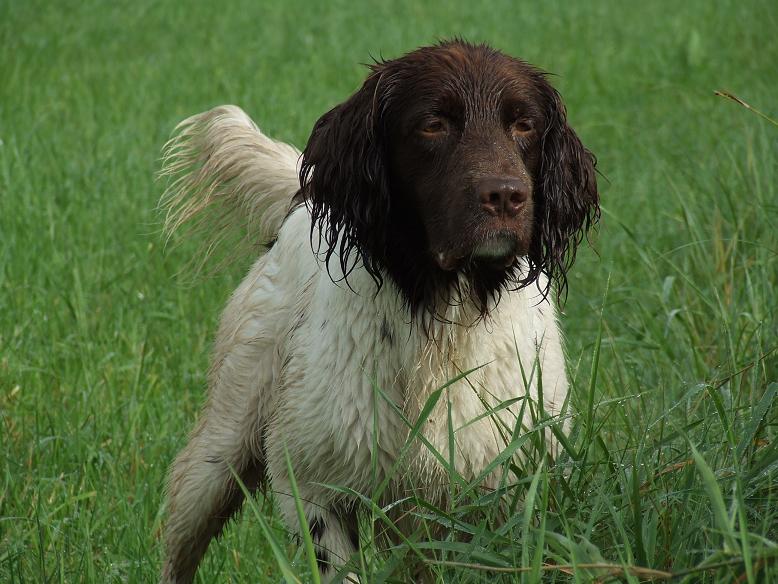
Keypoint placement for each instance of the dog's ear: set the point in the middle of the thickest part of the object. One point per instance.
(567, 204)
(344, 181)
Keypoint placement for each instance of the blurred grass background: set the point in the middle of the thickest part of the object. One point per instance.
(103, 352)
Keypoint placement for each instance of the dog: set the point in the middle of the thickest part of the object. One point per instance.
(423, 235)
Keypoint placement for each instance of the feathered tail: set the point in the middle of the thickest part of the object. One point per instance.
(226, 174)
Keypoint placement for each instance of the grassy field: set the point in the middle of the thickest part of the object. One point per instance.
(672, 318)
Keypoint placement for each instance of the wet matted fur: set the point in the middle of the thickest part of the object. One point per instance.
(416, 237)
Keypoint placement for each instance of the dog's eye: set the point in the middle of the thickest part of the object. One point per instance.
(433, 127)
(521, 128)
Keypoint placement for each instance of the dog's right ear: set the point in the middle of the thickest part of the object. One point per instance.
(344, 181)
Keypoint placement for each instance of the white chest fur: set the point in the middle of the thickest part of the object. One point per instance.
(349, 360)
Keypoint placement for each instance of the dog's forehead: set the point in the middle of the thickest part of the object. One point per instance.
(457, 75)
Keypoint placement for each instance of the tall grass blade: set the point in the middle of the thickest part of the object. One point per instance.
(716, 499)
(305, 532)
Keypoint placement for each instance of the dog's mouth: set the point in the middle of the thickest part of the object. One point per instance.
(496, 250)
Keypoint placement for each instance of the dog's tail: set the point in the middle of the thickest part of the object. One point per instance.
(225, 177)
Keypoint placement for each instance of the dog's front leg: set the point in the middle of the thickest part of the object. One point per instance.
(333, 525)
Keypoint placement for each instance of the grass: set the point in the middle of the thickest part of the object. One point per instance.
(672, 322)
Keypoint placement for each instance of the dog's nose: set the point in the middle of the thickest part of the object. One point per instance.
(502, 195)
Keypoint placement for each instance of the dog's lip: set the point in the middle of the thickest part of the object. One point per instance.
(448, 262)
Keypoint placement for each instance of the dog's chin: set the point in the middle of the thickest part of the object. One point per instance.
(497, 252)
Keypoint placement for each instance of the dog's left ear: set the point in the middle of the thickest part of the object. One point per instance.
(344, 182)
(568, 202)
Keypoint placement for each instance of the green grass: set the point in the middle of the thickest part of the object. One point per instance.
(672, 320)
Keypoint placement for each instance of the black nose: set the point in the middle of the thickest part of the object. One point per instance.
(502, 195)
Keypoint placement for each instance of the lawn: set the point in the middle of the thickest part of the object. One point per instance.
(671, 321)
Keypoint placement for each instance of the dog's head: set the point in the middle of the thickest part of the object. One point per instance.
(454, 160)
